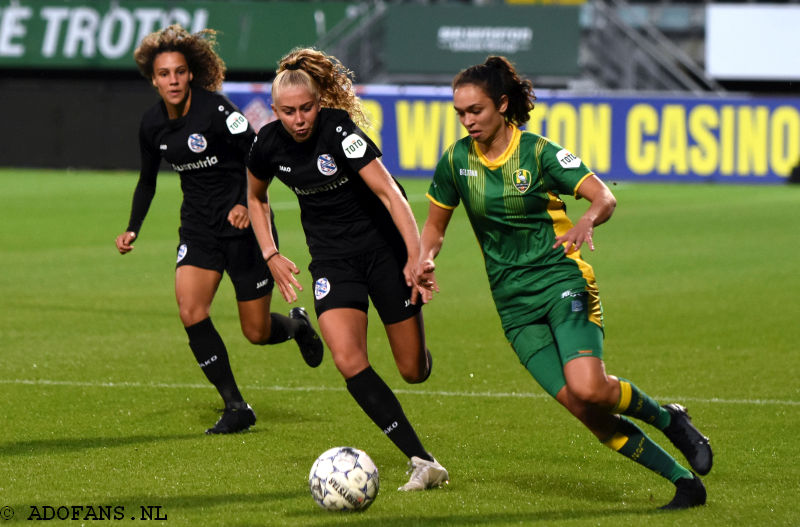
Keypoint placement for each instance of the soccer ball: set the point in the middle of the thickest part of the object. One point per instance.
(344, 479)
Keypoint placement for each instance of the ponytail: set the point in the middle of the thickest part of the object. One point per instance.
(498, 77)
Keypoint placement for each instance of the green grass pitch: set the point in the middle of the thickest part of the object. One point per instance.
(102, 403)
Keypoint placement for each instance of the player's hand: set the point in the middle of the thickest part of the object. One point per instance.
(238, 217)
(124, 242)
(573, 239)
(283, 271)
(424, 282)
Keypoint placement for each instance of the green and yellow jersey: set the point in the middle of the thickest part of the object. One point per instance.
(514, 207)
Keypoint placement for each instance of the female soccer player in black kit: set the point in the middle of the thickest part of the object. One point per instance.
(205, 138)
(360, 231)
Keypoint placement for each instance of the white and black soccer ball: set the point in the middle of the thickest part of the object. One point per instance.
(344, 479)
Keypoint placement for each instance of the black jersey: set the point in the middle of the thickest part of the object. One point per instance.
(341, 216)
(207, 147)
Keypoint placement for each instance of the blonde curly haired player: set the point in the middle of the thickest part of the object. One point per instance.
(361, 234)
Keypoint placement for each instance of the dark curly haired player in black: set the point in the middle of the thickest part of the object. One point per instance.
(205, 138)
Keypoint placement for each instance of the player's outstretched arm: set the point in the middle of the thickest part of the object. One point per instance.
(601, 209)
(431, 242)
(282, 269)
(381, 183)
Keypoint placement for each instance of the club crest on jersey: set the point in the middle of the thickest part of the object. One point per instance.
(182, 250)
(197, 143)
(321, 288)
(326, 165)
(522, 180)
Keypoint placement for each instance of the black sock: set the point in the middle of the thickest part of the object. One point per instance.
(379, 403)
(282, 328)
(212, 357)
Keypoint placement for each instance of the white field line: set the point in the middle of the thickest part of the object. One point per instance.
(486, 395)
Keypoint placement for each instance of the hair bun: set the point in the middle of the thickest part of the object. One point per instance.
(496, 62)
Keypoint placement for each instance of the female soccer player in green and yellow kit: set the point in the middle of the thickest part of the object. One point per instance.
(509, 182)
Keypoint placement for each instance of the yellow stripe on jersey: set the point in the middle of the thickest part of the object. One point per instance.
(450, 161)
(625, 394)
(540, 144)
(616, 442)
(561, 224)
(476, 185)
(513, 200)
(437, 203)
(595, 307)
(575, 190)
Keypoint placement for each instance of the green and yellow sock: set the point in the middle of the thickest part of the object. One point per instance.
(631, 442)
(636, 403)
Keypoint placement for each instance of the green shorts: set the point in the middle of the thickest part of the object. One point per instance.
(571, 328)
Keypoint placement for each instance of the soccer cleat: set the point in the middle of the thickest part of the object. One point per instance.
(425, 474)
(688, 493)
(234, 420)
(692, 444)
(307, 339)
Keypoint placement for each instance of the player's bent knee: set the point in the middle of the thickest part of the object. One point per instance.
(413, 372)
(256, 337)
(190, 317)
(413, 379)
(591, 395)
(256, 333)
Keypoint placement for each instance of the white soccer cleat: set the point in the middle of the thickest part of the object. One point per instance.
(425, 474)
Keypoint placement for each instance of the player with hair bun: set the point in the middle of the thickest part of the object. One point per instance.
(205, 138)
(361, 235)
(545, 293)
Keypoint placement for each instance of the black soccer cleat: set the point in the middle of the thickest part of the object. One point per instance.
(688, 439)
(688, 493)
(234, 420)
(307, 339)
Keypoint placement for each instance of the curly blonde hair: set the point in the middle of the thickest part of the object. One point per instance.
(199, 49)
(324, 76)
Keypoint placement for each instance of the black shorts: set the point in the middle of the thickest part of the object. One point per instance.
(353, 281)
(239, 256)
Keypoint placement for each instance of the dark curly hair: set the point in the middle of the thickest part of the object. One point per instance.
(324, 76)
(199, 49)
(498, 77)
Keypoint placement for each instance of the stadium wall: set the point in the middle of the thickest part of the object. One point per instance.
(79, 123)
